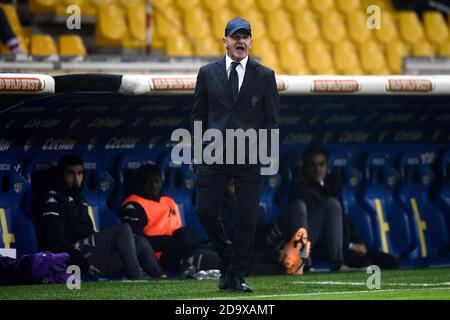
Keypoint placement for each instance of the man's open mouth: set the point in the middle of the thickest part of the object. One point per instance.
(240, 49)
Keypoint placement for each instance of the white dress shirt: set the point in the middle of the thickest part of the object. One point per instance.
(240, 69)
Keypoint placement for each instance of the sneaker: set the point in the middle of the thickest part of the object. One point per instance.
(296, 252)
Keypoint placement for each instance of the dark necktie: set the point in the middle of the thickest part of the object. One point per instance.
(234, 80)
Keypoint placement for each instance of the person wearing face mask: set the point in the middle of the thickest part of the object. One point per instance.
(235, 93)
(65, 224)
(156, 216)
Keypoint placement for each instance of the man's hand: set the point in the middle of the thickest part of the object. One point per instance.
(359, 248)
(92, 270)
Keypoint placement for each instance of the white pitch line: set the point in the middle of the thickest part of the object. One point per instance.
(316, 294)
(349, 283)
(336, 283)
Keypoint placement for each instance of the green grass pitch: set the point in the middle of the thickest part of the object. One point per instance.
(395, 284)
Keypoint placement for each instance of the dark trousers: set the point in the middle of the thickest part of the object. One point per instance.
(185, 244)
(211, 186)
(324, 226)
(372, 257)
(6, 32)
(118, 250)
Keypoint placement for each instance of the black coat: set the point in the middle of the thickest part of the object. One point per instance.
(63, 219)
(256, 107)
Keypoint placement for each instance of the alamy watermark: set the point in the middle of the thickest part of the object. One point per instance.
(73, 21)
(74, 280)
(209, 147)
(374, 20)
(374, 280)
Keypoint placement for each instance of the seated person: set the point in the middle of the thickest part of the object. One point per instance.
(7, 36)
(280, 247)
(358, 255)
(316, 199)
(156, 216)
(65, 225)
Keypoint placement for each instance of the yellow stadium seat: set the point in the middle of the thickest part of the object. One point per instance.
(111, 27)
(13, 19)
(319, 58)
(271, 60)
(215, 5)
(162, 5)
(137, 32)
(435, 26)
(261, 46)
(346, 58)
(208, 47)
(256, 20)
(279, 26)
(178, 46)
(389, 31)
(424, 49)
(137, 29)
(219, 20)
(87, 7)
(444, 49)
(42, 6)
(321, 6)
(168, 22)
(292, 59)
(100, 2)
(71, 45)
(348, 6)
(357, 27)
(157, 41)
(242, 6)
(372, 58)
(411, 29)
(187, 4)
(127, 3)
(333, 27)
(135, 15)
(306, 26)
(196, 23)
(295, 6)
(43, 45)
(396, 51)
(385, 5)
(269, 6)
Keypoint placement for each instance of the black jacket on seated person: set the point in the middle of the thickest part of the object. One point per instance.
(62, 219)
(312, 193)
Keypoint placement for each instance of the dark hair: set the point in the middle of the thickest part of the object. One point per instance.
(69, 160)
(313, 150)
(144, 173)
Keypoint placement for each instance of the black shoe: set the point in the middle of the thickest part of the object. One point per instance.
(238, 284)
(223, 281)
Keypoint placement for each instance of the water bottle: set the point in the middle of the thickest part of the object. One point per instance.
(200, 275)
(212, 274)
